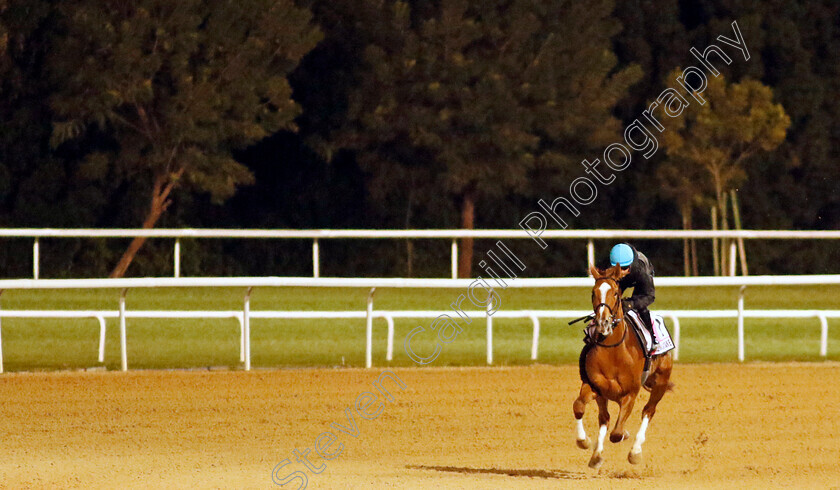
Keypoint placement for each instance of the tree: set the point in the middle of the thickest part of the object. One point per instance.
(4, 35)
(653, 37)
(737, 121)
(32, 180)
(176, 86)
(793, 46)
(484, 95)
(684, 185)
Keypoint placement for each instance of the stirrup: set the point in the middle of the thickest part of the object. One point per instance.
(653, 343)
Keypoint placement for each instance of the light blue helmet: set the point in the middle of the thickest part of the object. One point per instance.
(621, 254)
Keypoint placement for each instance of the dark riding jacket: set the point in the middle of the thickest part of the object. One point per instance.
(640, 278)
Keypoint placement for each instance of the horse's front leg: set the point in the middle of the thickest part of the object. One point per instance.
(625, 407)
(586, 396)
(603, 420)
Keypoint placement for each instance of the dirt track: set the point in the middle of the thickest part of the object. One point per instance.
(724, 425)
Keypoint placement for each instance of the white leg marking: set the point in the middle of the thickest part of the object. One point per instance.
(602, 433)
(581, 434)
(640, 436)
(596, 460)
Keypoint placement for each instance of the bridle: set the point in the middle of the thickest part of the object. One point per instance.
(616, 320)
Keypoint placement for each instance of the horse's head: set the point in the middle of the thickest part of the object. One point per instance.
(606, 298)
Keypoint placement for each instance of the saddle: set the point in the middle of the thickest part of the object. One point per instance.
(663, 336)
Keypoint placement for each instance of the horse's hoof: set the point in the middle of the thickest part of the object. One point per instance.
(596, 461)
(634, 458)
(616, 438)
(584, 443)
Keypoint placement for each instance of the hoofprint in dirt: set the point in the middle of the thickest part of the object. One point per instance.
(724, 425)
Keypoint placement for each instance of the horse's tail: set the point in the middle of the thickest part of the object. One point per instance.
(670, 387)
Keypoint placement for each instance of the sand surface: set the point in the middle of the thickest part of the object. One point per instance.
(724, 425)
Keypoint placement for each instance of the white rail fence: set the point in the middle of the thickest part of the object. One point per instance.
(245, 315)
(316, 235)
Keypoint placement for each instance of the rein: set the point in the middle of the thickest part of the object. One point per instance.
(609, 346)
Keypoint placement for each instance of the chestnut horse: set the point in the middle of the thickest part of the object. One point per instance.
(611, 368)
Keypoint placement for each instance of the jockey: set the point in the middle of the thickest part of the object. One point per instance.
(640, 278)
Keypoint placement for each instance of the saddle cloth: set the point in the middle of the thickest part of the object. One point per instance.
(663, 336)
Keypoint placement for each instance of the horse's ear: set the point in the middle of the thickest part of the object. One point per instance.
(594, 271)
(618, 272)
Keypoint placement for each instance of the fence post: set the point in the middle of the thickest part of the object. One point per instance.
(241, 320)
(369, 331)
(1, 342)
(733, 257)
(823, 336)
(454, 258)
(316, 260)
(246, 327)
(676, 337)
(389, 354)
(177, 257)
(741, 323)
(101, 338)
(36, 258)
(590, 254)
(536, 340)
(489, 332)
(123, 352)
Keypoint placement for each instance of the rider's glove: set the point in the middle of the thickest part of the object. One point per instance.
(627, 304)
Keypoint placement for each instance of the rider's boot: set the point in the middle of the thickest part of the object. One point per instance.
(647, 321)
(653, 344)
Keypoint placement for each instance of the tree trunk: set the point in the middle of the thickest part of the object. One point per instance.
(695, 270)
(736, 217)
(715, 250)
(724, 243)
(465, 252)
(409, 245)
(720, 197)
(409, 253)
(159, 202)
(134, 246)
(686, 250)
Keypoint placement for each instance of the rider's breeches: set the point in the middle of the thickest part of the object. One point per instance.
(644, 314)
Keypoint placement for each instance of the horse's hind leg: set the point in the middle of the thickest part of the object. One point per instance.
(603, 420)
(662, 385)
(586, 396)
